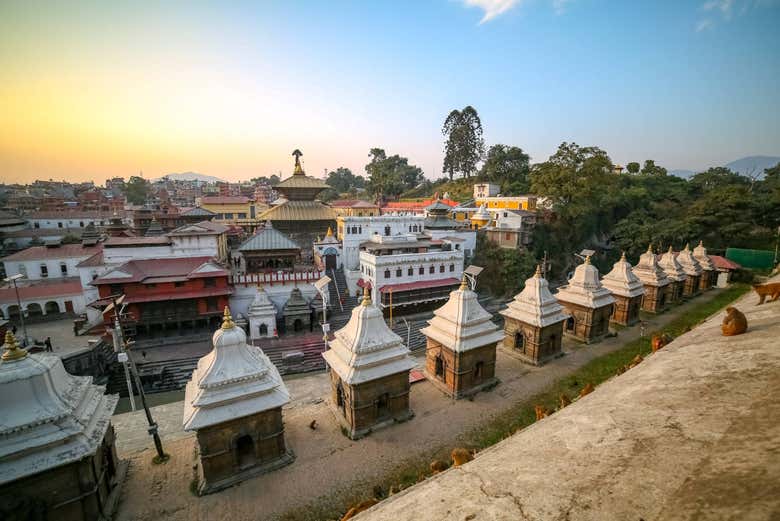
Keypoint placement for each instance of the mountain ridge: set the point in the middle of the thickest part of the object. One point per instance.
(191, 176)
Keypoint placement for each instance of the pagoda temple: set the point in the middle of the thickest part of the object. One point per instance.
(675, 274)
(709, 273)
(269, 250)
(154, 229)
(369, 372)
(692, 271)
(233, 402)
(588, 303)
(261, 316)
(533, 323)
(57, 455)
(461, 345)
(628, 291)
(654, 280)
(437, 217)
(298, 214)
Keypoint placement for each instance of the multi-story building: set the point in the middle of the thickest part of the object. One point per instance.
(69, 219)
(354, 208)
(234, 209)
(520, 202)
(180, 294)
(513, 229)
(403, 269)
(482, 190)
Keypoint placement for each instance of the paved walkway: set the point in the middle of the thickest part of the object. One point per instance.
(691, 433)
(63, 340)
(327, 462)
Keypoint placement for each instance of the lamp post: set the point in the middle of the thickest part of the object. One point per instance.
(161, 456)
(12, 279)
(321, 286)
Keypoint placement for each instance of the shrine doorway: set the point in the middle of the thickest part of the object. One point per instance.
(245, 451)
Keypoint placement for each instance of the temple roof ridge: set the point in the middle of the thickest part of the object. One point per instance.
(622, 280)
(585, 288)
(649, 271)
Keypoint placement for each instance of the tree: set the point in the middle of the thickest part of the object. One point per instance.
(263, 180)
(136, 190)
(507, 166)
(505, 270)
(633, 167)
(651, 168)
(391, 176)
(464, 146)
(343, 180)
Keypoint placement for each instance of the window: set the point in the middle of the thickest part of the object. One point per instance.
(209, 283)
(387, 230)
(228, 215)
(439, 367)
(37, 225)
(59, 225)
(63, 269)
(410, 271)
(178, 284)
(81, 224)
(44, 271)
(422, 271)
(116, 289)
(432, 270)
(441, 268)
(398, 272)
(452, 268)
(387, 274)
(211, 304)
(241, 215)
(149, 286)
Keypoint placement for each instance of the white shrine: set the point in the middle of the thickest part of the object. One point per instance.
(261, 316)
(588, 302)
(692, 270)
(675, 274)
(709, 273)
(628, 291)
(234, 402)
(655, 281)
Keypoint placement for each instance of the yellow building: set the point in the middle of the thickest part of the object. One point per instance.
(520, 202)
(239, 210)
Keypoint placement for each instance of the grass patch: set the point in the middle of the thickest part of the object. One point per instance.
(518, 416)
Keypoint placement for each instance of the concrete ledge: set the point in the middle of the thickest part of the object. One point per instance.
(693, 432)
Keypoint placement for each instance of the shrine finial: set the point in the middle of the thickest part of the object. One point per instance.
(297, 155)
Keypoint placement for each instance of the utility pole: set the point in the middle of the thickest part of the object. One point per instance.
(119, 348)
(161, 456)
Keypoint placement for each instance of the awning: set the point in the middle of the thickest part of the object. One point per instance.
(422, 284)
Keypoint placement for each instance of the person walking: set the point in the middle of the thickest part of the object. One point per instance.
(13, 329)
(47, 342)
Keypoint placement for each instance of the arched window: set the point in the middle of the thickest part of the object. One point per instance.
(441, 268)
(263, 330)
(398, 272)
(432, 270)
(421, 271)
(570, 323)
(520, 341)
(410, 271)
(439, 367)
(387, 274)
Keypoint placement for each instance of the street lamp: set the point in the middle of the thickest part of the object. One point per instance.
(12, 279)
(321, 286)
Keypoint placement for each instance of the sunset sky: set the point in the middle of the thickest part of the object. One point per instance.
(93, 90)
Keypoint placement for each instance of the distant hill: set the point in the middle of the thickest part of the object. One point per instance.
(192, 176)
(749, 165)
(752, 165)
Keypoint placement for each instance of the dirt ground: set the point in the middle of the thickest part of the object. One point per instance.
(327, 461)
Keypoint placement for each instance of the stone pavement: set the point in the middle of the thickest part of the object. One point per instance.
(693, 432)
(61, 332)
(327, 462)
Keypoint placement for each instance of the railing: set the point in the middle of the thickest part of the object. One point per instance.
(336, 285)
(276, 277)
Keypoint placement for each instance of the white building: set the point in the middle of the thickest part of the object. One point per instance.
(409, 269)
(482, 190)
(71, 219)
(261, 316)
(54, 261)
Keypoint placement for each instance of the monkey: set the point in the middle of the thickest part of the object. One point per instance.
(766, 290)
(659, 341)
(587, 389)
(564, 400)
(360, 507)
(460, 456)
(439, 466)
(541, 412)
(734, 323)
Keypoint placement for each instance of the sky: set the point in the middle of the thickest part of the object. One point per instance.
(91, 90)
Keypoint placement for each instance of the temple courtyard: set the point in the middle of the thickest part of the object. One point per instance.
(329, 464)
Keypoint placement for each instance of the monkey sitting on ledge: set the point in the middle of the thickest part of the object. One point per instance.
(734, 323)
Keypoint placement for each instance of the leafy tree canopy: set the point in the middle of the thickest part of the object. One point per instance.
(391, 176)
(507, 166)
(464, 145)
(136, 190)
(343, 180)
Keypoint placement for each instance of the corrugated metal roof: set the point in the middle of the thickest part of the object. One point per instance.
(197, 211)
(299, 211)
(64, 251)
(301, 181)
(268, 238)
(224, 199)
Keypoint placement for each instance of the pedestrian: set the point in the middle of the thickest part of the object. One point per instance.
(13, 329)
(47, 342)
(75, 329)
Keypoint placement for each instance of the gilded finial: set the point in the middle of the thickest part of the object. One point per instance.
(330, 232)
(650, 248)
(366, 296)
(298, 169)
(464, 283)
(538, 273)
(623, 256)
(227, 321)
(587, 259)
(12, 350)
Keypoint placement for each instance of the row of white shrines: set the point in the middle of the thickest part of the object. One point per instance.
(55, 424)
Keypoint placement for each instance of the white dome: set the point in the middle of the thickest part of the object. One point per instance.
(585, 288)
(648, 270)
(535, 305)
(689, 264)
(622, 281)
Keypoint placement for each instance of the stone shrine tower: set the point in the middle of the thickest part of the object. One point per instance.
(262, 316)
(234, 404)
(533, 323)
(588, 302)
(57, 454)
(369, 372)
(654, 280)
(461, 345)
(675, 274)
(709, 273)
(296, 313)
(692, 271)
(627, 290)
(480, 218)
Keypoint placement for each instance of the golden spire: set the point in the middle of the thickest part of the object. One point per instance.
(12, 350)
(330, 232)
(687, 246)
(623, 256)
(227, 322)
(298, 169)
(464, 283)
(538, 273)
(587, 259)
(366, 296)
(650, 248)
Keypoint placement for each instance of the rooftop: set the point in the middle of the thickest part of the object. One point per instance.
(224, 199)
(141, 270)
(63, 251)
(268, 238)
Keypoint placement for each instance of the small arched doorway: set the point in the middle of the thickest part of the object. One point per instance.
(570, 324)
(34, 310)
(263, 330)
(298, 324)
(340, 397)
(245, 451)
(520, 341)
(51, 307)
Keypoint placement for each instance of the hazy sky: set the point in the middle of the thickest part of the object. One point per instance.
(93, 90)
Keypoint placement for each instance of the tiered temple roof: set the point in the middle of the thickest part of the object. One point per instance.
(622, 281)
(366, 349)
(268, 238)
(233, 381)
(585, 288)
(462, 323)
(649, 271)
(671, 267)
(700, 254)
(154, 229)
(689, 264)
(535, 305)
(49, 417)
